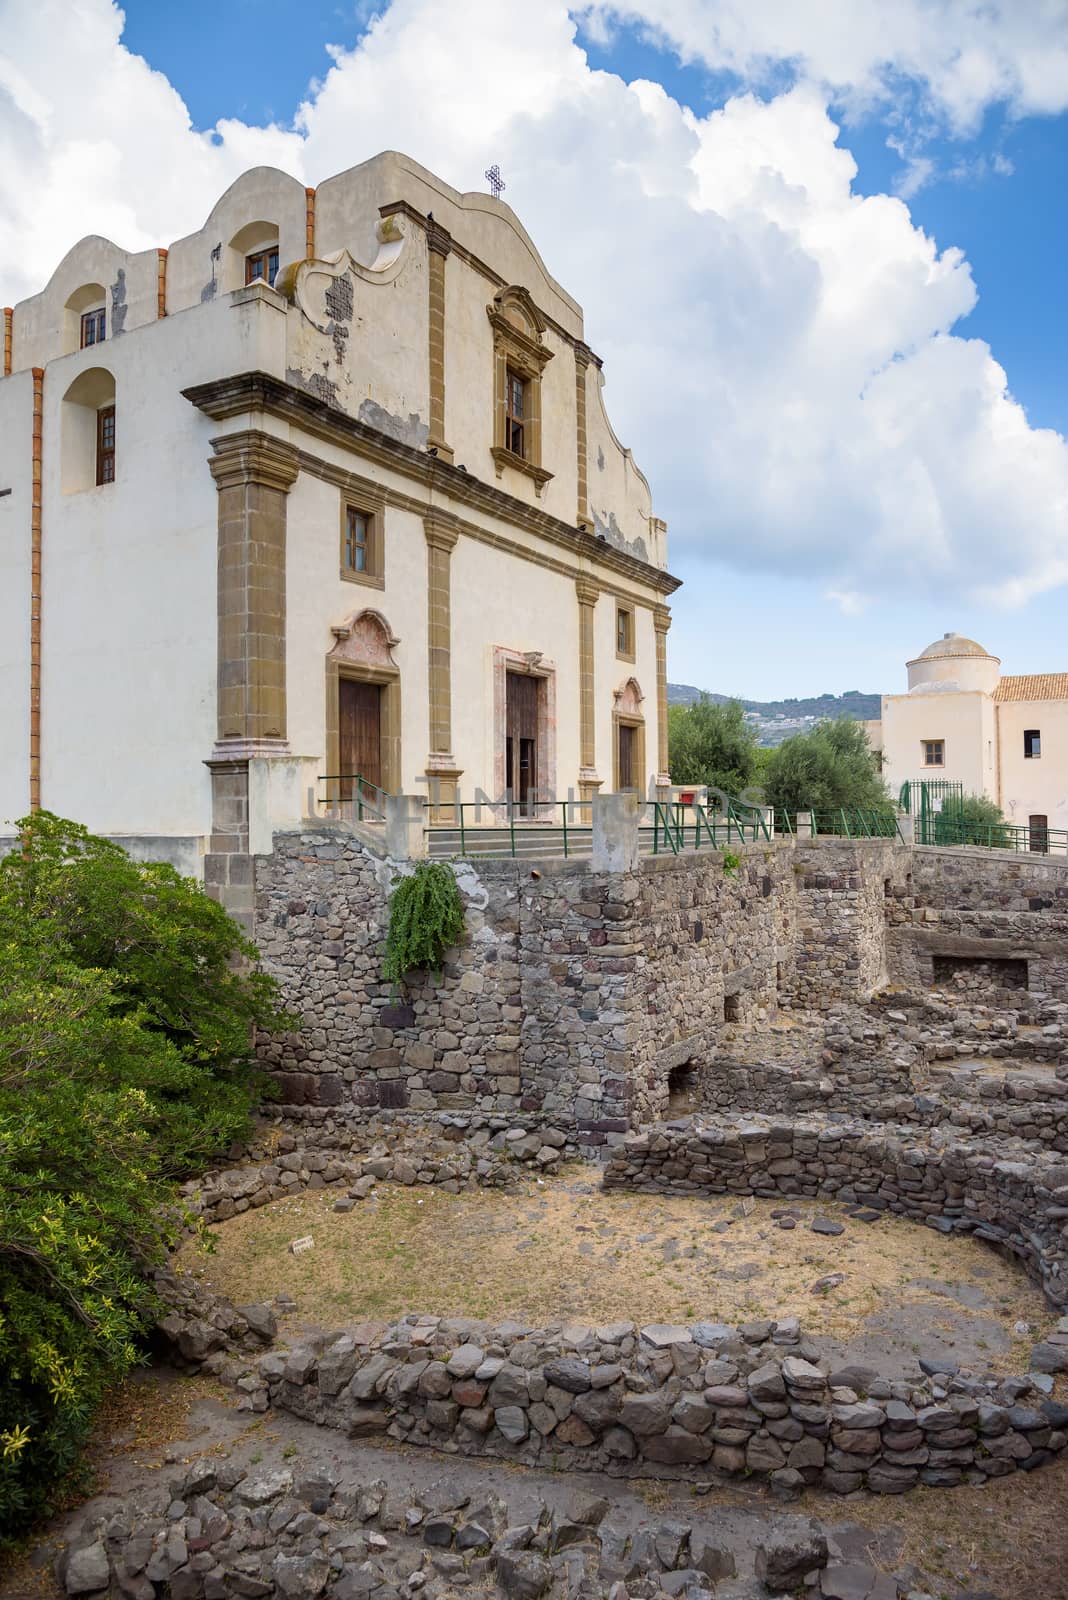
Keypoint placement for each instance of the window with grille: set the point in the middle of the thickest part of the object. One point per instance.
(934, 752)
(105, 445)
(94, 327)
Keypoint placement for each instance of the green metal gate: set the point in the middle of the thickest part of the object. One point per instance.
(938, 806)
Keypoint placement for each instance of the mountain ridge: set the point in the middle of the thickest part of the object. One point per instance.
(853, 703)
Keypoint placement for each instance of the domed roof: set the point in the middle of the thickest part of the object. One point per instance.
(952, 644)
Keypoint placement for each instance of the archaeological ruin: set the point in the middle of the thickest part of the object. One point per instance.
(873, 1027)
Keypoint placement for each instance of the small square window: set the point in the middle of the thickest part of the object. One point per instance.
(934, 752)
(94, 327)
(625, 632)
(515, 431)
(361, 545)
(1032, 744)
(263, 264)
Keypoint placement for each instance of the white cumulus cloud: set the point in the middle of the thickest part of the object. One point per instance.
(783, 353)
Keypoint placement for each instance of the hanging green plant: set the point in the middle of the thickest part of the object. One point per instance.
(731, 862)
(426, 918)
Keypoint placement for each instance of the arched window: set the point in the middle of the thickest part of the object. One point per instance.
(253, 255)
(88, 445)
(86, 317)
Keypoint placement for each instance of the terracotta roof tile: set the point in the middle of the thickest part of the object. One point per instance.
(1033, 686)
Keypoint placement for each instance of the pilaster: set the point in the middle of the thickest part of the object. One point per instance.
(661, 624)
(587, 593)
(442, 531)
(582, 362)
(439, 246)
(253, 473)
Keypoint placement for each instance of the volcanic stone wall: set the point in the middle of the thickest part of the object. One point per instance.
(986, 906)
(1018, 1202)
(657, 1401)
(575, 994)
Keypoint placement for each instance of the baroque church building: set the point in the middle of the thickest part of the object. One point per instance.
(324, 491)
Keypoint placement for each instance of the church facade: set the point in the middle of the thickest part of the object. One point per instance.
(323, 492)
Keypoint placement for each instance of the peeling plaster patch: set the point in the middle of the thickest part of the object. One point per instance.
(600, 459)
(118, 303)
(408, 430)
(314, 383)
(613, 533)
(470, 884)
(339, 300)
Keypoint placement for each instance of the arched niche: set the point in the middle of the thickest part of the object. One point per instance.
(253, 245)
(89, 297)
(628, 737)
(363, 707)
(84, 432)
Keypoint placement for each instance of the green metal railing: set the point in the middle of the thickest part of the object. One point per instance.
(359, 796)
(948, 830)
(845, 822)
(673, 830)
(469, 815)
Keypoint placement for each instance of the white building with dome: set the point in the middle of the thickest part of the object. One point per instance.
(1005, 737)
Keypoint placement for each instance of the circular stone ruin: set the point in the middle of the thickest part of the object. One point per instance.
(684, 1399)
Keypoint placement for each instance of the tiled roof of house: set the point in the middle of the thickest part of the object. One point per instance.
(1033, 686)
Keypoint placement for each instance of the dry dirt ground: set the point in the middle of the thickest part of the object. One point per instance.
(1009, 1538)
(565, 1249)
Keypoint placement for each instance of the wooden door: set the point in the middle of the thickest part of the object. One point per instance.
(521, 735)
(360, 736)
(628, 743)
(1038, 826)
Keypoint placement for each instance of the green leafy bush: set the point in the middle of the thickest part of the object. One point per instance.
(829, 769)
(712, 744)
(974, 820)
(125, 1061)
(426, 918)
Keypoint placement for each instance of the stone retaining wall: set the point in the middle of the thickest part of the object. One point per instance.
(789, 1091)
(659, 1402)
(576, 993)
(1016, 1199)
(981, 904)
(453, 1153)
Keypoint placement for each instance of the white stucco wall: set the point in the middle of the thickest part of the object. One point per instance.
(964, 721)
(16, 422)
(1034, 786)
(46, 326)
(130, 568)
(263, 195)
(319, 598)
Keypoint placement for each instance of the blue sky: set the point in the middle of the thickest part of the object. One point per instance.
(995, 194)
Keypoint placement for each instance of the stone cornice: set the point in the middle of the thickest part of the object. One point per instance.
(258, 391)
(254, 457)
(438, 239)
(441, 528)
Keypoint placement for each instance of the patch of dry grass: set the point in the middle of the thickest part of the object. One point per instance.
(567, 1249)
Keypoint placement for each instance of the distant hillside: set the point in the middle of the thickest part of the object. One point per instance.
(864, 707)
